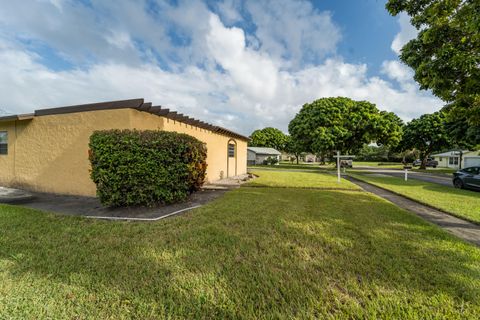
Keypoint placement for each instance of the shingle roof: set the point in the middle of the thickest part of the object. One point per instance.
(137, 104)
(262, 150)
(448, 153)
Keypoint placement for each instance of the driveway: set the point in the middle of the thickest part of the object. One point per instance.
(422, 176)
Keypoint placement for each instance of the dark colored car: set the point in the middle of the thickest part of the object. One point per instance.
(468, 178)
(346, 163)
(430, 163)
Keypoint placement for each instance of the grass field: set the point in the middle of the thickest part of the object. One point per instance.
(384, 165)
(440, 171)
(320, 180)
(254, 253)
(462, 203)
(303, 167)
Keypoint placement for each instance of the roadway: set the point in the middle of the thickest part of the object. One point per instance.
(445, 180)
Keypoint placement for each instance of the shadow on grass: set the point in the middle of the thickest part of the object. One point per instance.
(253, 253)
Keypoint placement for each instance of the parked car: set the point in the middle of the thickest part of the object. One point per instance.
(468, 178)
(430, 163)
(348, 163)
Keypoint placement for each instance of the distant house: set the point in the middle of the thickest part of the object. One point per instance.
(451, 159)
(256, 155)
(309, 157)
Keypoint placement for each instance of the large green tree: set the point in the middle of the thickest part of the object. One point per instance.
(330, 124)
(294, 147)
(268, 137)
(445, 55)
(389, 129)
(426, 134)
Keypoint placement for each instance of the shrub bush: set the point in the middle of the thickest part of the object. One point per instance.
(270, 161)
(133, 167)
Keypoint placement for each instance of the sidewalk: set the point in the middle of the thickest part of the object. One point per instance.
(463, 229)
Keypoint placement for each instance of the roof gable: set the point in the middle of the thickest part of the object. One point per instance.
(451, 153)
(262, 150)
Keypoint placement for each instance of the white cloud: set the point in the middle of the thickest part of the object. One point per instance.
(408, 101)
(229, 11)
(401, 73)
(120, 40)
(293, 30)
(221, 77)
(407, 33)
(255, 73)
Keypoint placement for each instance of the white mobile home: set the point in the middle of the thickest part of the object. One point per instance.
(257, 155)
(453, 159)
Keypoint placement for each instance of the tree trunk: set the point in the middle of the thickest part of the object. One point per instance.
(296, 156)
(424, 157)
(423, 165)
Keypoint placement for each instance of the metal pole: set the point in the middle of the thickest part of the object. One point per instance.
(338, 166)
(406, 174)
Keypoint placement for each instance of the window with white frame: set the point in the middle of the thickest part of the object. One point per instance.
(453, 161)
(3, 142)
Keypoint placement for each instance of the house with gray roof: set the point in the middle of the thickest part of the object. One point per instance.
(456, 159)
(257, 155)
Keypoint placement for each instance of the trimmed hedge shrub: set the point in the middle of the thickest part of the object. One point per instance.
(133, 167)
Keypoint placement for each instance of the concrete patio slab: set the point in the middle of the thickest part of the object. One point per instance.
(10, 195)
(92, 208)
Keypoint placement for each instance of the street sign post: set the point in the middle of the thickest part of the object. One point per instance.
(406, 168)
(338, 156)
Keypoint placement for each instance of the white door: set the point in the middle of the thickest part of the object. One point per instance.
(472, 162)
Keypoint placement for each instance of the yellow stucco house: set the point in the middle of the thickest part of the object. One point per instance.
(47, 151)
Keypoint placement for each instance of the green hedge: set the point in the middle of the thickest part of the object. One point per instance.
(133, 167)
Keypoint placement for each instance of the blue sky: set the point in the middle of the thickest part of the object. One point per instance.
(239, 64)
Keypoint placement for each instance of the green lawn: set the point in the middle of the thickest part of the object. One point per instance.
(440, 171)
(301, 166)
(384, 165)
(254, 253)
(272, 178)
(462, 203)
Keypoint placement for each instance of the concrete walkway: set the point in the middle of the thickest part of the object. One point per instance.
(463, 229)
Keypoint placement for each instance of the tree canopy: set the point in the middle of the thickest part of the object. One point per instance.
(294, 147)
(268, 137)
(445, 55)
(426, 134)
(343, 124)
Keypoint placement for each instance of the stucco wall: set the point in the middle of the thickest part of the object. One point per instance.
(217, 144)
(50, 153)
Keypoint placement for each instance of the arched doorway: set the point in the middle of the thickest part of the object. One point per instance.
(231, 158)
